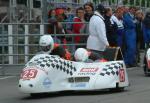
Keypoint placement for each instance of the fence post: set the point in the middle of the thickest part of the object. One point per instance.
(41, 29)
(146, 3)
(134, 2)
(140, 3)
(10, 43)
(26, 42)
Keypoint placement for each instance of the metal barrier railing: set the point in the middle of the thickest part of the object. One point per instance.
(18, 42)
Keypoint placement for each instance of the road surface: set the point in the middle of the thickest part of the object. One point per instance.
(137, 92)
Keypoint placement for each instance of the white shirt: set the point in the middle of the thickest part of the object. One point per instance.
(117, 21)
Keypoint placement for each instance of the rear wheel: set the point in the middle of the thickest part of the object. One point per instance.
(35, 94)
(146, 69)
(118, 89)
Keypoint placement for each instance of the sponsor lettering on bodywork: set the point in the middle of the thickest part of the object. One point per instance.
(88, 71)
(78, 85)
(47, 83)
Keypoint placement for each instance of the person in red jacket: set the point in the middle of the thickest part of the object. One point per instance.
(48, 46)
(79, 25)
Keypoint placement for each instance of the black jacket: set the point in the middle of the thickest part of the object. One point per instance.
(111, 31)
(87, 17)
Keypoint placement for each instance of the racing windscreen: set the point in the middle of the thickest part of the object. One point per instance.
(113, 54)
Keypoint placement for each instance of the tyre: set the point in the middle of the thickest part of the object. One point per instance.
(118, 89)
(35, 95)
(146, 69)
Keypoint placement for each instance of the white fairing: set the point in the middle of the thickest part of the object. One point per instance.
(148, 54)
(47, 73)
(148, 57)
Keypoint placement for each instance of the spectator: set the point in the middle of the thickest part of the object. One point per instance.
(79, 25)
(146, 23)
(139, 30)
(89, 11)
(125, 9)
(52, 21)
(130, 37)
(60, 29)
(111, 28)
(97, 40)
(117, 18)
(69, 19)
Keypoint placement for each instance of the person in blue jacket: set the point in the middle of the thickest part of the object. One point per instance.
(146, 28)
(130, 37)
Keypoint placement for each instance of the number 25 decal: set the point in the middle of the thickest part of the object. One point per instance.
(28, 74)
(122, 75)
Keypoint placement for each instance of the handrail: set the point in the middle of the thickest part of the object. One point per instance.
(45, 23)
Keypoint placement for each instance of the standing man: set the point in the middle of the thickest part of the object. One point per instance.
(146, 28)
(130, 37)
(117, 18)
(89, 10)
(111, 28)
(139, 31)
(97, 40)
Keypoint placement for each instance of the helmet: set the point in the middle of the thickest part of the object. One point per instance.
(81, 54)
(46, 43)
(101, 9)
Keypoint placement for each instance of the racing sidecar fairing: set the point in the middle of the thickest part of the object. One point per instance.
(147, 62)
(47, 73)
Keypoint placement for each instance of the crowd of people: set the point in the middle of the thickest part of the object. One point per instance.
(74, 22)
(126, 27)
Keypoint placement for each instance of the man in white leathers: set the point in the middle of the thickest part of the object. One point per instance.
(97, 40)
